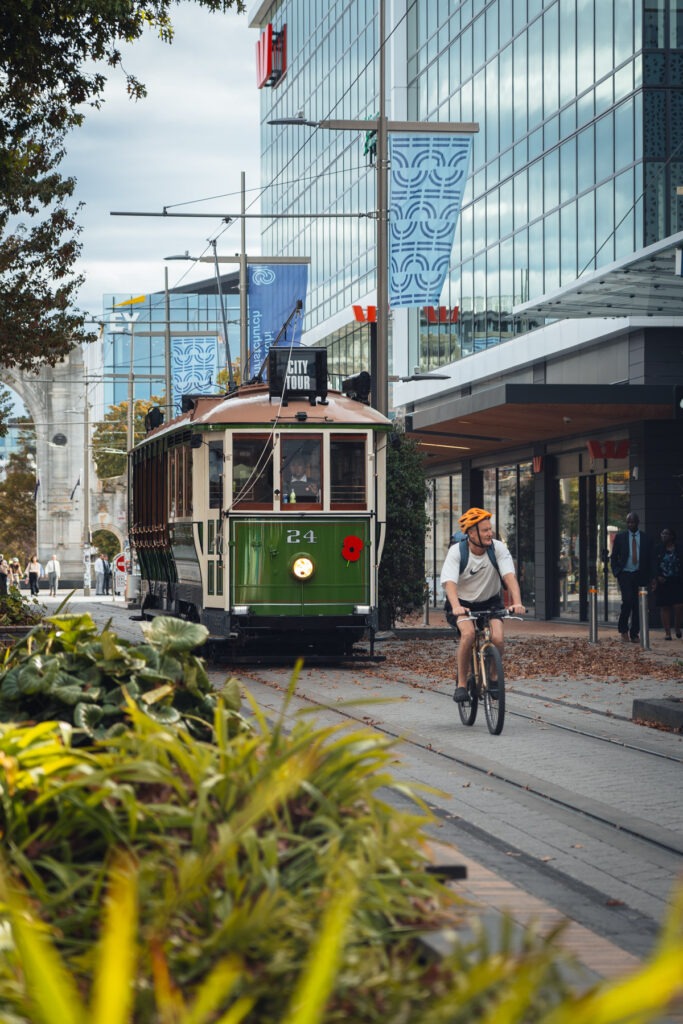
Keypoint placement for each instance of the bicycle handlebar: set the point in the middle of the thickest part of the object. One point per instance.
(493, 613)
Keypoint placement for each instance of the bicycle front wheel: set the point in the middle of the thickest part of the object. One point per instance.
(493, 689)
(468, 708)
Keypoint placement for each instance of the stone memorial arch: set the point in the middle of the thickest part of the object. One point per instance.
(58, 401)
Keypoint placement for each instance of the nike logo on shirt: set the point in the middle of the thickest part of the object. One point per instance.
(473, 572)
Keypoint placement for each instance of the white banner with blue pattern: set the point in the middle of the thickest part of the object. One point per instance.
(194, 367)
(427, 179)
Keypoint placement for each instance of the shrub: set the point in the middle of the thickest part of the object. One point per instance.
(65, 670)
(155, 877)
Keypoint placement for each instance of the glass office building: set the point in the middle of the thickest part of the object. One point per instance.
(575, 174)
(138, 329)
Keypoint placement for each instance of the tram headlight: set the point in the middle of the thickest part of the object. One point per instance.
(302, 567)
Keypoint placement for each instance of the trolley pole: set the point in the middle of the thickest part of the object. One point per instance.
(593, 615)
(644, 617)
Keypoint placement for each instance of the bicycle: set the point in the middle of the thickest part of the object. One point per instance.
(486, 681)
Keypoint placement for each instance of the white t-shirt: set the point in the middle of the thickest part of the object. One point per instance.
(480, 581)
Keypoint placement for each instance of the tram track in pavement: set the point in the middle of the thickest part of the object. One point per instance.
(599, 861)
(484, 766)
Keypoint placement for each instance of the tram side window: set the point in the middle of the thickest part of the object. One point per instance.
(300, 479)
(215, 474)
(347, 472)
(252, 471)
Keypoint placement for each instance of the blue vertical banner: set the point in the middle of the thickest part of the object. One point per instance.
(428, 174)
(274, 290)
(194, 367)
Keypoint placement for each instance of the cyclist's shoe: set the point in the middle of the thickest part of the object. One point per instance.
(460, 695)
(493, 689)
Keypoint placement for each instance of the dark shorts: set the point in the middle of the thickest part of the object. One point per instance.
(491, 604)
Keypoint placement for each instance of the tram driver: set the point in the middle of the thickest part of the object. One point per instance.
(300, 481)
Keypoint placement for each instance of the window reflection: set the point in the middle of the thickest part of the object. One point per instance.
(252, 471)
(347, 472)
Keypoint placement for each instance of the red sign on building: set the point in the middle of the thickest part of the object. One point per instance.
(441, 314)
(271, 56)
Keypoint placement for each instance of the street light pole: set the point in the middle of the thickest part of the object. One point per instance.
(244, 318)
(131, 389)
(228, 357)
(381, 369)
(86, 495)
(167, 349)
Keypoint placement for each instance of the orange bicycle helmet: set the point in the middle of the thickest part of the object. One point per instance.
(472, 517)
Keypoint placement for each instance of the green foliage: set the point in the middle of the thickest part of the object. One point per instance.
(260, 877)
(17, 506)
(110, 436)
(65, 670)
(52, 57)
(401, 574)
(15, 610)
(106, 541)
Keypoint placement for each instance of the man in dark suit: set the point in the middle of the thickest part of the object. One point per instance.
(631, 562)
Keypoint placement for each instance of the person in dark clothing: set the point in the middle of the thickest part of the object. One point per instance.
(631, 563)
(668, 582)
(107, 573)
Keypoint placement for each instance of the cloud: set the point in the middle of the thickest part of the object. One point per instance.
(188, 140)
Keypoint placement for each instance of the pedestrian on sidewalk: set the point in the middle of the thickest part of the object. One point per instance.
(53, 571)
(631, 563)
(34, 571)
(668, 582)
(99, 574)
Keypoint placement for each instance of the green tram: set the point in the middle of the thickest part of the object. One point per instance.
(261, 513)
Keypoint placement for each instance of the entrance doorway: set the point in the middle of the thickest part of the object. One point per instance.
(591, 508)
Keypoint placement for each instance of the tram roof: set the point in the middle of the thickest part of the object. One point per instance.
(251, 406)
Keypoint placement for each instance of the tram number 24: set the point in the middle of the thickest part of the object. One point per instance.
(297, 537)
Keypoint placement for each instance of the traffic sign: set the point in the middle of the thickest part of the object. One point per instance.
(120, 563)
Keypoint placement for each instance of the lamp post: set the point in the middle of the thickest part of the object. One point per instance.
(383, 127)
(86, 494)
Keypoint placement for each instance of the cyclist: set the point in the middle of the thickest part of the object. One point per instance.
(478, 588)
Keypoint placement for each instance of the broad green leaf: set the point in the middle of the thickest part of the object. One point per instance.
(174, 634)
(164, 715)
(87, 717)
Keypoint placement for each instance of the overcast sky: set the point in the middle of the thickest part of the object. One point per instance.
(188, 140)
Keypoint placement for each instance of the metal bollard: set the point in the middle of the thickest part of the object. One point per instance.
(425, 618)
(592, 615)
(644, 619)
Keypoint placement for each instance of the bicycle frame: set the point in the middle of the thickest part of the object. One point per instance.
(486, 661)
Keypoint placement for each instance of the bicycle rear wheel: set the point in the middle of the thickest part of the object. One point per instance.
(468, 708)
(493, 689)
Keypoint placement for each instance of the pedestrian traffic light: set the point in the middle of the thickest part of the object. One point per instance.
(678, 401)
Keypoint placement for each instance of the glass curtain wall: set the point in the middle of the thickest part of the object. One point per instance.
(444, 506)
(592, 508)
(579, 105)
(508, 493)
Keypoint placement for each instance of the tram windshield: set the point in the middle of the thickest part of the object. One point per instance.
(300, 479)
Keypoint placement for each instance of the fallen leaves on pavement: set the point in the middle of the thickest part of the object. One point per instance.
(536, 658)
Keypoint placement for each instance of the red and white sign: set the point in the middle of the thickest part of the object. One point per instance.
(271, 56)
(120, 563)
